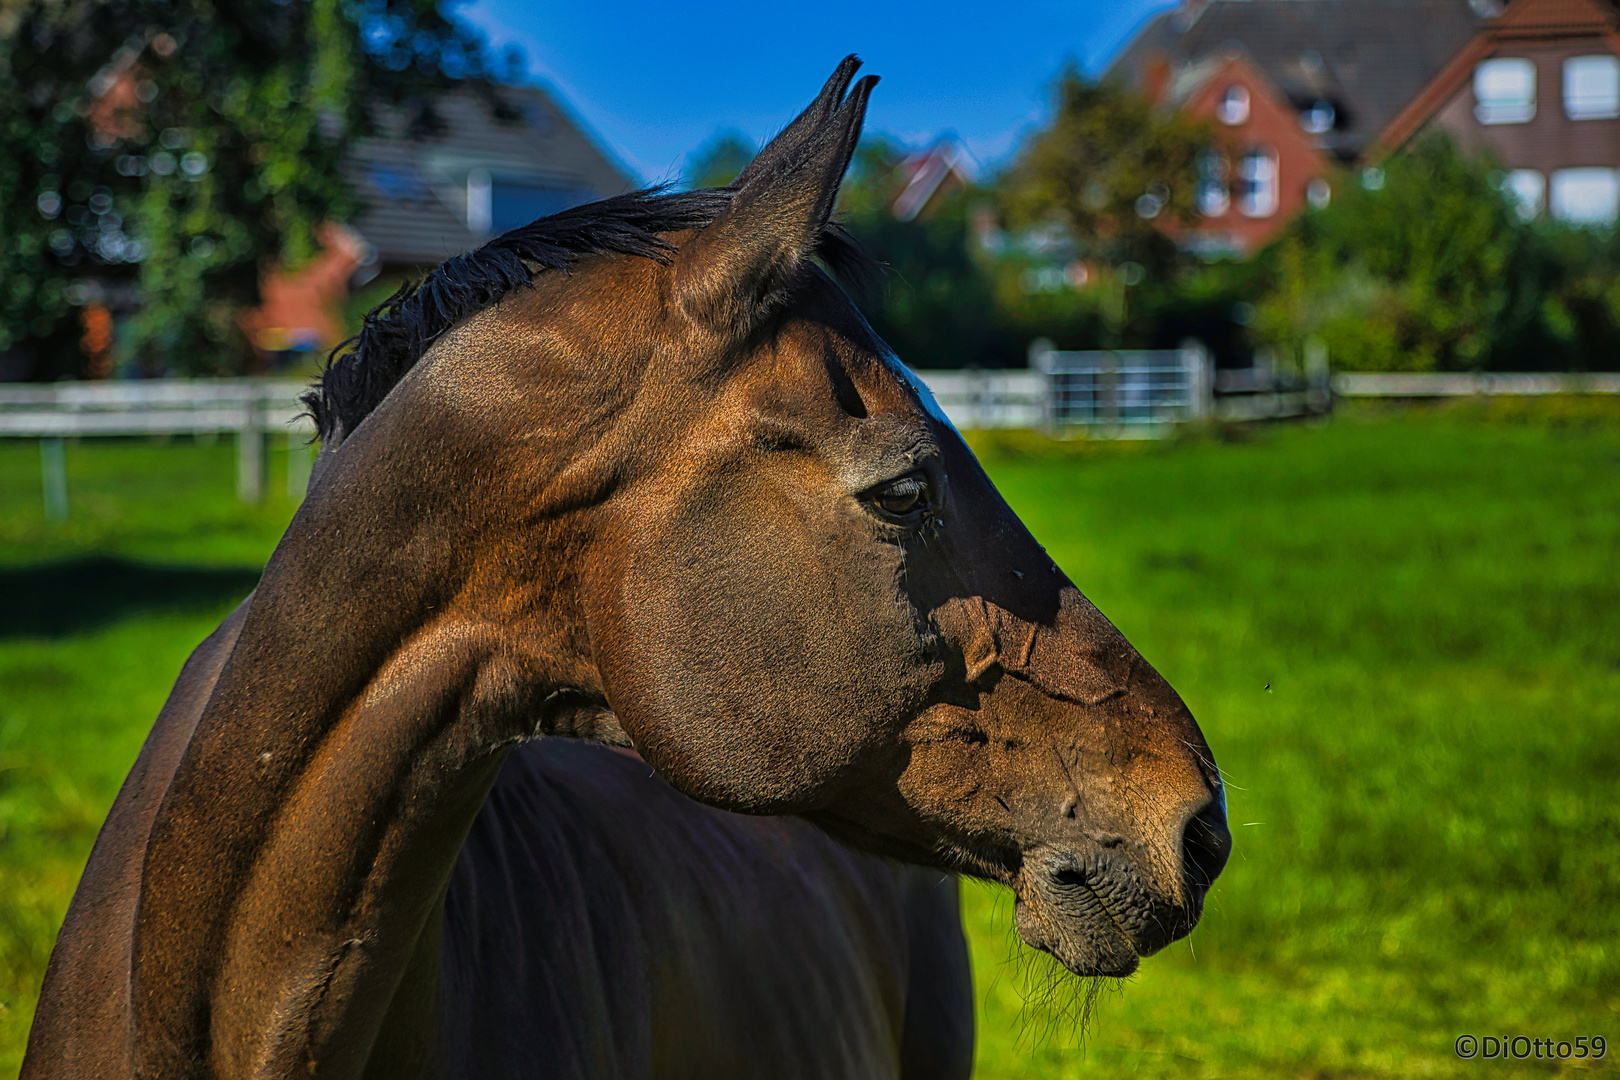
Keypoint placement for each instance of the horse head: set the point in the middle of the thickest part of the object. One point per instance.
(795, 591)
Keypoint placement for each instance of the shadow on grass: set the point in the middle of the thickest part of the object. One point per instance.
(58, 599)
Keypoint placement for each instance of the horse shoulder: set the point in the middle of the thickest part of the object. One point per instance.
(81, 1027)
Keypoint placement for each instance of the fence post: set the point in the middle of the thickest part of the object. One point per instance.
(1319, 384)
(250, 455)
(299, 460)
(1041, 352)
(53, 468)
(1199, 365)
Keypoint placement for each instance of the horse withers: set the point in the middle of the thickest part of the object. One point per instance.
(636, 473)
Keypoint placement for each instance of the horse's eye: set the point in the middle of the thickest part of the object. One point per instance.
(903, 496)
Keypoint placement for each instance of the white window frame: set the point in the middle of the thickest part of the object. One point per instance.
(1235, 105)
(1601, 102)
(1214, 190)
(1567, 202)
(1260, 173)
(1491, 104)
(1528, 190)
(1319, 118)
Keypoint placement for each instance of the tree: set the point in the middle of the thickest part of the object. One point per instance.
(938, 307)
(1422, 271)
(1112, 170)
(172, 151)
(717, 162)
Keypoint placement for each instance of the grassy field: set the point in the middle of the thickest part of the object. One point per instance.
(1401, 633)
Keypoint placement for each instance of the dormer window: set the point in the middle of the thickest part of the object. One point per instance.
(1234, 105)
(1318, 119)
(1592, 87)
(1505, 91)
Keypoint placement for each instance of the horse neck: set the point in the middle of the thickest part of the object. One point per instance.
(308, 836)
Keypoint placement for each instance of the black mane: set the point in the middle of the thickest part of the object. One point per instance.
(399, 330)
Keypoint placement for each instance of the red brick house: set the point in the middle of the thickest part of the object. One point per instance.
(1270, 163)
(1295, 88)
(1537, 87)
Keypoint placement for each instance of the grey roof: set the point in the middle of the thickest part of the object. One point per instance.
(1366, 57)
(416, 191)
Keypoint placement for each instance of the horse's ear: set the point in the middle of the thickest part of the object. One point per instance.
(819, 112)
(737, 269)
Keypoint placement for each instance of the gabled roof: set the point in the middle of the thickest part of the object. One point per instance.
(1366, 57)
(416, 191)
(943, 165)
(1523, 21)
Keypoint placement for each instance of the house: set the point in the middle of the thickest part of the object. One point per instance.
(492, 164)
(1294, 88)
(1537, 87)
(1352, 64)
(1268, 164)
(493, 159)
(487, 171)
(931, 176)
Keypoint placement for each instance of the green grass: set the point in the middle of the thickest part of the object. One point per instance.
(1426, 800)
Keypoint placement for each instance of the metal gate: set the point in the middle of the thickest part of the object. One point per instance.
(1131, 392)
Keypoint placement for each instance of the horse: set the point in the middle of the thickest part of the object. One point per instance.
(639, 474)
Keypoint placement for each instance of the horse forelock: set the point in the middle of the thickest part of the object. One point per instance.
(362, 370)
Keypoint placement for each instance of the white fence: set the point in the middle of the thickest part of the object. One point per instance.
(1122, 394)
(990, 399)
(250, 409)
(1141, 393)
(1428, 384)
(1131, 393)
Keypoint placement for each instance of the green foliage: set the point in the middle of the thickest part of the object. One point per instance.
(938, 307)
(161, 156)
(717, 162)
(1411, 276)
(1111, 169)
(1435, 271)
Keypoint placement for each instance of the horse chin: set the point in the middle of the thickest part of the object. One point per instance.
(1085, 944)
(1095, 912)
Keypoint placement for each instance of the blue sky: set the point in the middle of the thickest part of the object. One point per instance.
(654, 80)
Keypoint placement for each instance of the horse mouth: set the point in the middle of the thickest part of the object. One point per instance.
(1095, 913)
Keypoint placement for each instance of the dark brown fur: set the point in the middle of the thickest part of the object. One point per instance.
(642, 504)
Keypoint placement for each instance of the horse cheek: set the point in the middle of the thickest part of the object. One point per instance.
(729, 653)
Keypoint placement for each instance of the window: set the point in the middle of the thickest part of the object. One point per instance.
(1585, 196)
(1505, 91)
(1592, 87)
(1234, 105)
(1257, 182)
(518, 201)
(499, 204)
(1213, 196)
(397, 181)
(1528, 189)
(1318, 119)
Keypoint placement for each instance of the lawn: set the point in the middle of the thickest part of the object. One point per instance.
(1400, 631)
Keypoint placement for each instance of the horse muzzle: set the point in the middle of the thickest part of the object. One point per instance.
(1100, 909)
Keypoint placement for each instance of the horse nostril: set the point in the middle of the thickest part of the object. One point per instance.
(1205, 845)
